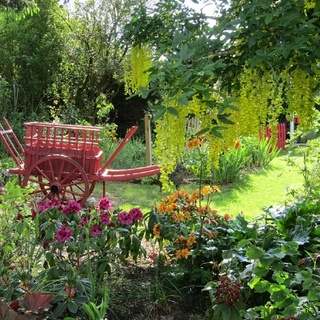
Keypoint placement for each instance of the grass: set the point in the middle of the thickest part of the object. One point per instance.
(250, 196)
(261, 189)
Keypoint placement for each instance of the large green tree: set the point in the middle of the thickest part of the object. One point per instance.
(91, 71)
(257, 61)
(31, 47)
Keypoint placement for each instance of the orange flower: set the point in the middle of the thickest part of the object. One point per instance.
(194, 143)
(227, 217)
(162, 208)
(207, 190)
(191, 240)
(185, 253)
(171, 207)
(187, 215)
(194, 197)
(179, 240)
(179, 254)
(156, 230)
(178, 217)
(237, 144)
(216, 189)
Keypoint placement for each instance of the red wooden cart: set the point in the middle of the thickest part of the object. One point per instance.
(64, 161)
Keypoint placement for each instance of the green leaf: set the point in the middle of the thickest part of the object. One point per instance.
(185, 53)
(59, 309)
(260, 271)
(183, 100)
(144, 92)
(268, 18)
(314, 294)
(72, 306)
(89, 311)
(290, 248)
(199, 87)
(159, 115)
(261, 286)
(224, 119)
(172, 111)
(254, 252)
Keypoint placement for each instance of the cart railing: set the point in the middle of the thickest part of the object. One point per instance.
(12, 143)
(80, 143)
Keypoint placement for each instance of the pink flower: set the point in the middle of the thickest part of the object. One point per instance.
(125, 218)
(105, 218)
(95, 231)
(135, 214)
(72, 207)
(63, 234)
(104, 204)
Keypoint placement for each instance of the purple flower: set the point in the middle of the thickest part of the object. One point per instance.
(105, 218)
(95, 231)
(135, 214)
(63, 234)
(72, 207)
(125, 218)
(104, 204)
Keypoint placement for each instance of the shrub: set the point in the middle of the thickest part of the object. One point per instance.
(66, 251)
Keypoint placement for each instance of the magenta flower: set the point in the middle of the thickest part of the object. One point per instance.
(104, 204)
(18, 217)
(84, 220)
(95, 231)
(33, 214)
(72, 207)
(63, 234)
(105, 218)
(50, 204)
(125, 218)
(135, 214)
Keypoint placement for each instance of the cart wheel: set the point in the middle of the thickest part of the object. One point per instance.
(59, 177)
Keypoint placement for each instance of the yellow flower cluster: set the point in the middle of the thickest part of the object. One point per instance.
(256, 86)
(135, 70)
(170, 142)
(301, 96)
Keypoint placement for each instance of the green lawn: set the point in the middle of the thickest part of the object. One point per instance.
(254, 192)
(260, 189)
